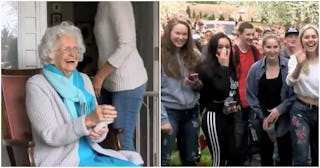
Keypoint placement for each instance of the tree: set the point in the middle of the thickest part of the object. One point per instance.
(193, 13)
(213, 17)
(263, 19)
(230, 18)
(240, 18)
(284, 12)
(221, 17)
(188, 11)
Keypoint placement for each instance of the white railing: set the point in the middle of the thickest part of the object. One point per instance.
(147, 129)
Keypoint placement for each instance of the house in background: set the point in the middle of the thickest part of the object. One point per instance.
(24, 22)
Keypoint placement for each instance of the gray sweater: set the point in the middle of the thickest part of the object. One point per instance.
(177, 94)
(56, 137)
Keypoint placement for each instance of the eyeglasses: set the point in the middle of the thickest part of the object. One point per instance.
(69, 49)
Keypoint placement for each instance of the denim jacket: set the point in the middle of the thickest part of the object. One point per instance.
(287, 95)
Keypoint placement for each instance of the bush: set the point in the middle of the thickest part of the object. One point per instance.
(221, 17)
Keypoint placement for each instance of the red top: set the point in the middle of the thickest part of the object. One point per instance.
(246, 60)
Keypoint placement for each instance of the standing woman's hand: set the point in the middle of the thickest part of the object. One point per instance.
(273, 116)
(300, 54)
(97, 84)
(223, 58)
(192, 79)
(100, 76)
(265, 124)
(167, 128)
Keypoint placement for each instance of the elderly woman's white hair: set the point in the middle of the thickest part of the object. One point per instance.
(53, 34)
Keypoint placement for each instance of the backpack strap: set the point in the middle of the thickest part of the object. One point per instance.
(237, 55)
(255, 53)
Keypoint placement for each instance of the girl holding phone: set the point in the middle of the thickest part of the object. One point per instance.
(220, 100)
(179, 93)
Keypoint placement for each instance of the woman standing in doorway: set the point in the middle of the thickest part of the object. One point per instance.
(122, 77)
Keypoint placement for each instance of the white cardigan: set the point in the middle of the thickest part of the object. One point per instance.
(116, 41)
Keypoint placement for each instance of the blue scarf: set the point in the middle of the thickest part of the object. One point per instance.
(72, 92)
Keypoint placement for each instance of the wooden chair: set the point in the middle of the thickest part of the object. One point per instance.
(16, 128)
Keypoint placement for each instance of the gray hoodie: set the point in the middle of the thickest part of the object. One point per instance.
(177, 94)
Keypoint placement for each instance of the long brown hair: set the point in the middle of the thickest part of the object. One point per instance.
(169, 59)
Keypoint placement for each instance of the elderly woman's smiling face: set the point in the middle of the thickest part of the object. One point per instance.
(66, 55)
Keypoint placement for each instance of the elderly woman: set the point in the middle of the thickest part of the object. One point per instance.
(63, 111)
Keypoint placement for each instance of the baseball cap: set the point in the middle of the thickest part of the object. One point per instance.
(292, 30)
(267, 30)
(200, 23)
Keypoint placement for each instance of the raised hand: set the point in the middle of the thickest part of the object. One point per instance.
(223, 58)
(300, 54)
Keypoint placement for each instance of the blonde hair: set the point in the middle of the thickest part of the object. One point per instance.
(305, 66)
(270, 36)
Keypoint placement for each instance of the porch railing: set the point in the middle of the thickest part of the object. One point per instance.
(147, 129)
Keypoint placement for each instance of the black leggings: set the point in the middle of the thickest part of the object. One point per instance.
(284, 150)
(219, 132)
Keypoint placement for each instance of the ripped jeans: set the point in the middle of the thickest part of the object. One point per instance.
(304, 133)
(186, 128)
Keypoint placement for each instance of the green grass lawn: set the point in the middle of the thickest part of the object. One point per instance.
(205, 159)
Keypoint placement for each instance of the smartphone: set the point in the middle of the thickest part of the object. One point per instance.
(232, 103)
(193, 76)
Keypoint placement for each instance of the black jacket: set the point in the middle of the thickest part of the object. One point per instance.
(216, 84)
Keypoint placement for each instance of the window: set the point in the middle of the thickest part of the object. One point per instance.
(22, 25)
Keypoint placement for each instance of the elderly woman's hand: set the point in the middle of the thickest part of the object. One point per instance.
(95, 135)
(101, 113)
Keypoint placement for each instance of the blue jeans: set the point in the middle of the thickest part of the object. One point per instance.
(128, 104)
(304, 132)
(186, 128)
